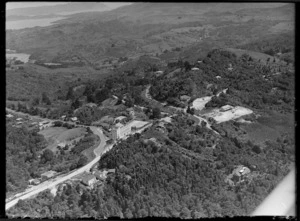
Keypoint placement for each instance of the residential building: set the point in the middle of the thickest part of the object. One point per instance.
(19, 119)
(120, 119)
(47, 175)
(226, 108)
(89, 179)
(34, 181)
(218, 77)
(74, 119)
(9, 115)
(185, 98)
(195, 69)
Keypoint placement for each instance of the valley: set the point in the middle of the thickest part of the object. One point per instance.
(151, 110)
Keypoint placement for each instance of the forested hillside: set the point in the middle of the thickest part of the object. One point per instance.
(153, 180)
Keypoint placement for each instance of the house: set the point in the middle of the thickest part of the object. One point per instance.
(158, 73)
(199, 62)
(63, 117)
(115, 97)
(226, 108)
(89, 179)
(100, 175)
(119, 125)
(34, 181)
(19, 119)
(62, 144)
(9, 115)
(74, 119)
(195, 69)
(120, 119)
(185, 98)
(47, 175)
(218, 77)
(91, 105)
(244, 171)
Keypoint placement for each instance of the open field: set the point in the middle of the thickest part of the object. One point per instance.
(199, 103)
(256, 55)
(56, 135)
(232, 114)
(269, 128)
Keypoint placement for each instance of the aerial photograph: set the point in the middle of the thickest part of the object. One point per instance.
(134, 110)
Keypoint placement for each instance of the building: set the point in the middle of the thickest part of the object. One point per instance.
(48, 175)
(218, 77)
(91, 105)
(34, 181)
(19, 119)
(120, 119)
(226, 108)
(63, 117)
(185, 98)
(74, 119)
(115, 133)
(62, 144)
(195, 69)
(89, 179)
(9, 115)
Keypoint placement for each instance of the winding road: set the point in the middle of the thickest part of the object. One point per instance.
(102, 148)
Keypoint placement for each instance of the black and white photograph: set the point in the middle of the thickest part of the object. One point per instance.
(150, 109)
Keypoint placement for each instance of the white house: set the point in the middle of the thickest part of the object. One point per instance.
(195, 69)
(218, 77)
(9, 115)
(19, 119)
(74, 119)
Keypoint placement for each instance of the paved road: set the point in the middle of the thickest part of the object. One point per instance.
(51, 183)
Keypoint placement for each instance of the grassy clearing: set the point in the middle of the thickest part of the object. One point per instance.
(256, 55)
(270, 127)
(56, 135)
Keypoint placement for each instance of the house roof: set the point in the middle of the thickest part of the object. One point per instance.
(120, 118)
(185, 97)
(19, 118)
(88, 177)
(49, 173)
(119, 125)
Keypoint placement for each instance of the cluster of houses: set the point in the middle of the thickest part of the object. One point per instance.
(238, 175)
(89, 179)
(44, 176)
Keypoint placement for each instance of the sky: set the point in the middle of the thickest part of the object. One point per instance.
(13, 5)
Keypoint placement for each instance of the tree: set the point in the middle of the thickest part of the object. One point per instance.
(45, 99)
(47, 155)
(75, 104)
(156, 113)
(70, 94)
(82, 161)
(36, 101)
(187, 66)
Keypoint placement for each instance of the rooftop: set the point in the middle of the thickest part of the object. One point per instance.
(49, 173)
(87, 177)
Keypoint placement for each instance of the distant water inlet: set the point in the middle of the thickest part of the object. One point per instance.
(18, 56)
(30, 23)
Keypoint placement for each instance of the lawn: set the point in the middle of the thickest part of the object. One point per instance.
(56, 135)
(270, 127)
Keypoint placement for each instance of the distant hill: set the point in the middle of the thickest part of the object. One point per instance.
(151, 29)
